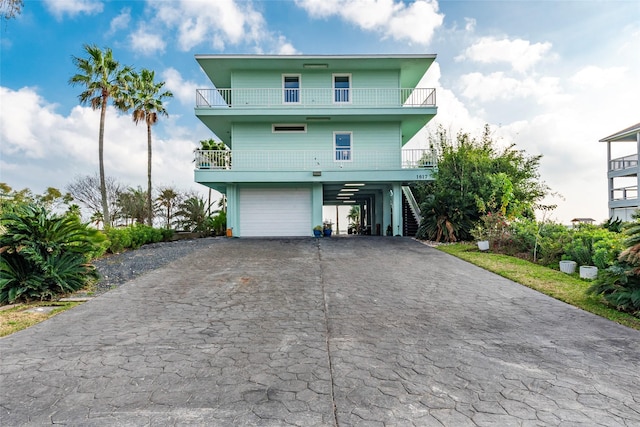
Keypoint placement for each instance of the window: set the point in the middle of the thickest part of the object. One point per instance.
(291, 86)
(293, 128)
(341, 86)
(342, 146)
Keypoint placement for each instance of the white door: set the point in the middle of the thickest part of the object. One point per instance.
(275, 212)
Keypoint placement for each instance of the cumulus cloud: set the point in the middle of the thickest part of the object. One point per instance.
(220, 23)
(598, 77)
(59, 8)
(46, 148)
(146, 42)
(121, 21)
(520, 54)
(184, 91)
(415, 22)
(499, 86)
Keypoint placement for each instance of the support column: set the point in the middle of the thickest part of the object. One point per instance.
(610, 180)
(379, 220)
(637, 204)
(397, 210)
(316, 205)
(233, 219)
(386, 210)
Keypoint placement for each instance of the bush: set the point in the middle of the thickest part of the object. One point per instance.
(591, 245)
(45, 255)
(541, 242)
(135, 236)
(620, 287)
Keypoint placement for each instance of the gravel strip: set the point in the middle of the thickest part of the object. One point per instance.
(119, 268)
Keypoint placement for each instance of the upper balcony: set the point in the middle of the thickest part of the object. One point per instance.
(309, 98)
(218, 109)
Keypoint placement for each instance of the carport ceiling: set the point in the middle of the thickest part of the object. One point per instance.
(356, 194)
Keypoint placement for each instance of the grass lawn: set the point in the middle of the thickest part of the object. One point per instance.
(20, 316)
(568, 288)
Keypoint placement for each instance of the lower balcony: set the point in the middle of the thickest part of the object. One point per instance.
(313, 160)
(624, 193)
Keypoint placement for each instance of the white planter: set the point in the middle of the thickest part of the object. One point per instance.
(568, 267)
(588, 272)
(483, 245)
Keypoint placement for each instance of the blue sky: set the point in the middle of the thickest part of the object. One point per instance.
(553, 77)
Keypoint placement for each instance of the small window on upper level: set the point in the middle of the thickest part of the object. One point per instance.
(341, 87)
(289, 128)
(342, 145)
(291, 87)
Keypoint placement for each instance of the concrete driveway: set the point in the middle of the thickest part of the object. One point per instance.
(340, 331)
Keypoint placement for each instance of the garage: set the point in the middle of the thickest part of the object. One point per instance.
(275, 212)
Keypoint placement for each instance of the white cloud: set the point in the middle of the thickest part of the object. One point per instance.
(597, 77)
(145, 42)
(121, 21)
(520, 54)
(470, 24)
(498, 86)
(220, 23)
(43, 148)
(59, 8)
(415, 23)
(184, 91)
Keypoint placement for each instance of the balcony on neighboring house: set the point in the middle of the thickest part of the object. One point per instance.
(315, 98)
(623, 173)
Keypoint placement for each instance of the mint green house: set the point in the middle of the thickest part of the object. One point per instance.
(303, 132)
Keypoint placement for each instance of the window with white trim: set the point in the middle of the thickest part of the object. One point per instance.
(342, 146)
(341, 87)
(291, 88)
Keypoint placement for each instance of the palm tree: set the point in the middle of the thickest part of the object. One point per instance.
(102, 78)
(168, 198)
(145, 98)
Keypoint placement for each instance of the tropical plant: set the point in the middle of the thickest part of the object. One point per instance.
(614, 225)
(44, 254)
(132, 205)
(103, 78)
(144, 96)
(192, 214)
(86, 190)
(475, 177)
(167, 199)
(9, 9)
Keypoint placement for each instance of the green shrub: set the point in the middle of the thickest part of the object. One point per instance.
(620, 287)
(542, 242)
(135, 236)
(44, 255)
(591, 245)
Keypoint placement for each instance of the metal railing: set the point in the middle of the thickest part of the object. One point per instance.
(624, 193)
(626, 162)
(321, 97)
(310, 160)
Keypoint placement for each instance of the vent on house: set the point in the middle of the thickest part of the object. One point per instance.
(290, 128)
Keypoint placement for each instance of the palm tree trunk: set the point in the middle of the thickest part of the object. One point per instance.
(149, 198)
(103, 186)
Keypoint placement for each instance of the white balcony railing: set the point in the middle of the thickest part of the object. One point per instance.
(310, 98)
(624, 193)
(623, 162)
(308, 160)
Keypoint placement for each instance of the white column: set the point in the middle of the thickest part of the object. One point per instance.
(397, 209)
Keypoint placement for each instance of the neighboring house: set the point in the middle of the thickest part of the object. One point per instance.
(305, 132)
(623, 174)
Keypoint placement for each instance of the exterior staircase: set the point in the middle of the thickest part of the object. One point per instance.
(410, 213)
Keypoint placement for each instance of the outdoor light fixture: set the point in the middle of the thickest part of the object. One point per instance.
(317, 173)
(354, 185)
(315, 66)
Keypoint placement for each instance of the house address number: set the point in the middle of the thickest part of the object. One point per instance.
(423, 176)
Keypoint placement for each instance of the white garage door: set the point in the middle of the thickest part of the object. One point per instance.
(275, 212)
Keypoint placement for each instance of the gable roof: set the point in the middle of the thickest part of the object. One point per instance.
(628, 134)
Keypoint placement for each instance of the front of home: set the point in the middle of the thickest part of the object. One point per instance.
(303, 132)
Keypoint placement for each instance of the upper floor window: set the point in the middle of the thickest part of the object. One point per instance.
(291, 87)
(341, 86)
(342, 146)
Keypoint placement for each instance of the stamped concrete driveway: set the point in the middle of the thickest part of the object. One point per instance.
(341, 331)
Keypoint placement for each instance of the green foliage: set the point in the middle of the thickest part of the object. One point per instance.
(135, 236)
(614, 225)
(620, 287)
(193, 215)
(218, 223)
(591, 245)
(474, 177)
(44, 255)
